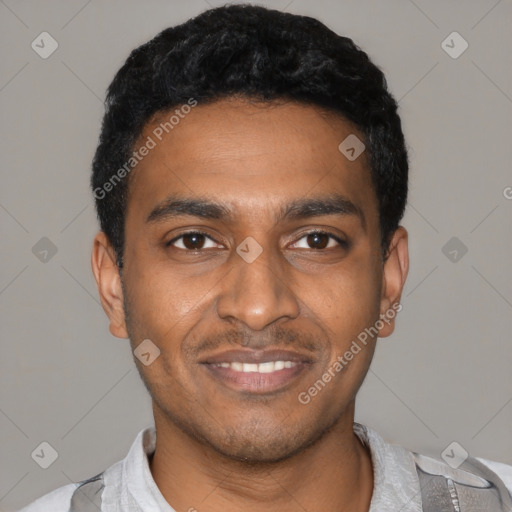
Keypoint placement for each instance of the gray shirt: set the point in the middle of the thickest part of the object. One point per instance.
(129, 484)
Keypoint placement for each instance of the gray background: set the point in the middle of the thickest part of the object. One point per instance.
(444, 376)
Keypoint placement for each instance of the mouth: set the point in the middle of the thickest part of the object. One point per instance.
(257, 371)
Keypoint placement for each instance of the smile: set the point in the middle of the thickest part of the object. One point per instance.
(270, 367)
(257, 371)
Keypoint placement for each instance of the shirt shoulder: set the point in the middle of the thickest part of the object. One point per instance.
(398, 471)
(472, 480)
(57, 500)
(503, 471)
(123, 485)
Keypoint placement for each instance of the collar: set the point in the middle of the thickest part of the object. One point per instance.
(395, 480)
(396, 486)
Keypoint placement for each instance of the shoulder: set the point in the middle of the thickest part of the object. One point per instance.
(489, 470)
(503, 471)
(112, 481)
(469, 480)
(57, 500)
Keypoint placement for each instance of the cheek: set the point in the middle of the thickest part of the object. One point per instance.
(349, 315)
(349, 326)
(169, 293)
(353, 351)
(349, 298)
(163, 306)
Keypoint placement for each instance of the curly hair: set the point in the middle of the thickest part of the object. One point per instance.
(257, 53)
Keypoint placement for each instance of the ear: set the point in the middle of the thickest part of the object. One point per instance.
(108, 280)
(396, 267)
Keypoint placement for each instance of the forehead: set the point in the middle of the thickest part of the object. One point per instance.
(252, 156)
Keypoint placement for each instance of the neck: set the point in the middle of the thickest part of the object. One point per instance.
(333, 474)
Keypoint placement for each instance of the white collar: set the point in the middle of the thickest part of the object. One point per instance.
(395, 480)
(396, 485)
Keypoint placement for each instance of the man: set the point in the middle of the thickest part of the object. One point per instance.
(250, 179)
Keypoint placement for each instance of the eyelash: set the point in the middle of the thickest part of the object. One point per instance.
(194, 232)
(343, 243)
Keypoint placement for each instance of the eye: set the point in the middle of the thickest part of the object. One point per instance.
(193, 241)
(319, 240)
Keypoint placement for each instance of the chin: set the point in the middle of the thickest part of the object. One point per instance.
(254, 452)
(263, 446)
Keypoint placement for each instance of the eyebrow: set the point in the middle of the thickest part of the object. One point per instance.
(332, 204)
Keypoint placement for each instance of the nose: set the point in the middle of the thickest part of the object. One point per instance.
(257, 293)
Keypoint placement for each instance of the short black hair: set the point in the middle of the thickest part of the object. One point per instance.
(257, 53)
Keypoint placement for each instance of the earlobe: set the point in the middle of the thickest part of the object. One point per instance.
(108, 281)
(396, 267)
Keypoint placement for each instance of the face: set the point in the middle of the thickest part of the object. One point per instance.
(252, 262)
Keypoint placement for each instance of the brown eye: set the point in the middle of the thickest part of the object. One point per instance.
(318, 240)
(192, 241)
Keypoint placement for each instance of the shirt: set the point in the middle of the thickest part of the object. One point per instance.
(129, 484)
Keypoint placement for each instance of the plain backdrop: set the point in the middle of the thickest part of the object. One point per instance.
(446, 373)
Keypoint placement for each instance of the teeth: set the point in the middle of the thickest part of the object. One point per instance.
(269, 367)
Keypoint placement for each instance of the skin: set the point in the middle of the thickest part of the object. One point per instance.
(224, 450)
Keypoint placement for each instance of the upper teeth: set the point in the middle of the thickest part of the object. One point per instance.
(269, 367)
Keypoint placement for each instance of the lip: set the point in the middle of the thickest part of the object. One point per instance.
(255, 382)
